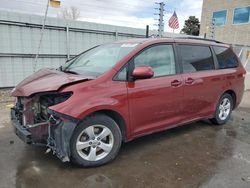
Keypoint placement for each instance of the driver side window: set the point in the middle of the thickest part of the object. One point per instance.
(160, 58)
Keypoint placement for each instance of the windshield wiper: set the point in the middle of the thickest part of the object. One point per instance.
(69, 71)
(60, 68)
(66, 71)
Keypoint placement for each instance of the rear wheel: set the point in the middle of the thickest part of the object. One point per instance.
(95, 141)
(223, 109)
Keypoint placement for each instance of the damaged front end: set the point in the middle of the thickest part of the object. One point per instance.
(35, 123)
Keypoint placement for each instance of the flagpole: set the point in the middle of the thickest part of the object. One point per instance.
(41, 37)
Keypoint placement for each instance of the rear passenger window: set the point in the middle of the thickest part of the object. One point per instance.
(226, 58)
(160, 58)
(196, 58)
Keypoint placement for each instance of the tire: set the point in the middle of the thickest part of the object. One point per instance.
(95, 141)
(223, 109)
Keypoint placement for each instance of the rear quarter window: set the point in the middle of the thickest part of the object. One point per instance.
(226, 57)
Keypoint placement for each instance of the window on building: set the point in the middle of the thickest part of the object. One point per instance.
(220, 17)
(196, 58)
(226, 58)
(241, 15)
(160, 58)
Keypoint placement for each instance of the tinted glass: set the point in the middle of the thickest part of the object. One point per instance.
(241, 15)
(160, 58)
(226, 58)
(220, 17)
(196, 58)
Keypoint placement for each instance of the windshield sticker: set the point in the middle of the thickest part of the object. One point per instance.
(129, 45)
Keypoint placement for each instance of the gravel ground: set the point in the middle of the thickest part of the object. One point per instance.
(5, 96)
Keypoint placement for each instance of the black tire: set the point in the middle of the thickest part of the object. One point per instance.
(97, 119)
(217, 120)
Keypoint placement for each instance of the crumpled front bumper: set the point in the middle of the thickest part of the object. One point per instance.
(20, 131)
(59, 133)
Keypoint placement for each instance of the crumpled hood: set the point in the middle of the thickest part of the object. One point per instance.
(45, 80)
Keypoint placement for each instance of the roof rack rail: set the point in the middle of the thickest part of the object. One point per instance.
(196, 38)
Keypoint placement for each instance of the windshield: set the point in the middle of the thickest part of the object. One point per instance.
(98, 60)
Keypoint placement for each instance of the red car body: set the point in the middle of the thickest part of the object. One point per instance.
(143, 106)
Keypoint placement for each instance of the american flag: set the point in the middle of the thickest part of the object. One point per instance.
(173, 21)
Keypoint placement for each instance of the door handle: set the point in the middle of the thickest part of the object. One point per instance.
(176, 83)
(189, 81)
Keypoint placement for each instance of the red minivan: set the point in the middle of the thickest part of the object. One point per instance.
(116, 92)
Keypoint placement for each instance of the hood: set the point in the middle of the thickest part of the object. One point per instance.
(46, 80)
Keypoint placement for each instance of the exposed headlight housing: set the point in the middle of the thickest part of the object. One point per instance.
(51, 99)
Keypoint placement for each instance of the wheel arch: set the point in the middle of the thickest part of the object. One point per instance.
(215, 118)
(117, 117)
(233, 94)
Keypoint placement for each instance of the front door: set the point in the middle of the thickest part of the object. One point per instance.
(155, 103)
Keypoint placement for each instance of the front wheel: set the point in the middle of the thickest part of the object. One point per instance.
(223, 109)
(95, 141)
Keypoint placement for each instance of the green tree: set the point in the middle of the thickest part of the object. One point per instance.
(192, 26)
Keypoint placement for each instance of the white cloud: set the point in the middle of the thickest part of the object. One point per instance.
(130, 13)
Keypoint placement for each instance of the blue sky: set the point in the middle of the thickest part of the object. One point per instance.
(130, 13)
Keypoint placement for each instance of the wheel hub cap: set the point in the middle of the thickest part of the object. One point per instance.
(224, 109)
(95, 142)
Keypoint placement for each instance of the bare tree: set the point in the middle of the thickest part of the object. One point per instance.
(71, 13)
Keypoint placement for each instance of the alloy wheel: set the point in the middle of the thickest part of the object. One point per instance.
(95, 142)
(224, 109)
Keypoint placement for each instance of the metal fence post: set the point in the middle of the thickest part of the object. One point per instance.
(116, 35)
(147, 31)
(67, 42)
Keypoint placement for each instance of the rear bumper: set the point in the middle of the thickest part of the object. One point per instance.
(20, 131)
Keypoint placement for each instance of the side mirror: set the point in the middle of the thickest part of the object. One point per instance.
(142, 73)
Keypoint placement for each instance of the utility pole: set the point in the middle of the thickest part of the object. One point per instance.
(212, 29)
(160, 20)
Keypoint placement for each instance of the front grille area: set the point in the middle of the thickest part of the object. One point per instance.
(19, 111)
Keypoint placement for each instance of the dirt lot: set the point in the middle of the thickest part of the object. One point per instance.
(195, 155)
